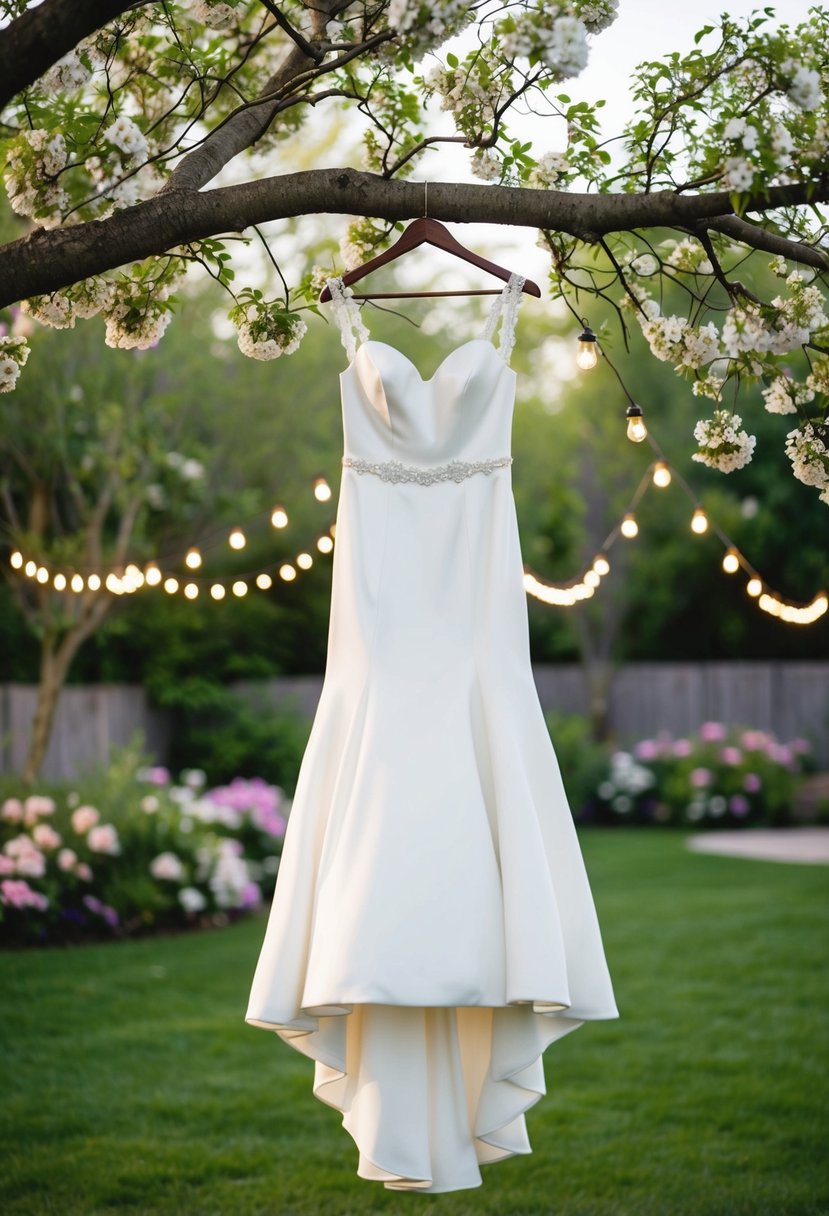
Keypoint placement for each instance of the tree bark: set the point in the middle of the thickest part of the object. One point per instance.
(54, 665)
(41, 36)
(46, 260)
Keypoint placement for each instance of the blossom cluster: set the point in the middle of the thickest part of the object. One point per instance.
(137, 312)
(673, 339)
(548, 170)
(266, 331)
(34, 162)
(784, 395)
(712, 776)
(722, 445)
(802, 84)
(424, 27)
(549, 34)
(808, 450)
(689, 256)
(14, 353)
(215, 14)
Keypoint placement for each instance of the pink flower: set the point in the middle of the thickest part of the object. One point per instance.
(104, 839)
(18, 894)
(731, 755)
(738, 804)
(712, 732)
(27, 857)
(67, 859)
(800, 747)
(35, 806)
(682, 747)
(46, 836)
(84, 818)
(12, 810)
(779, 752)
(167, 867)
(7, 866)
(83, 871)
(156, 775)
(754, 740)
(752, 783)
(648, 749)
(700, 777)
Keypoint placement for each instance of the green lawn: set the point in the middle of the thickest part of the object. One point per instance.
(133, 1085)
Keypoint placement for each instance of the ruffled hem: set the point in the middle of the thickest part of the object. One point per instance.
(428, 1093)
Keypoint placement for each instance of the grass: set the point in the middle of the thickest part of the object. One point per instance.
(132, 1084)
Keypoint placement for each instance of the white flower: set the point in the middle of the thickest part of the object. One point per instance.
(739, 174)
(809, 456)
(597, 15)
(722, 445)
(734, 128)
(783, 145)
(213, 13)
(564, 49)
(104, 839)
(9, 372)
(127, 136)
(269, 332)
(644, 265)
(191, 899)
(66, 76)
(55, 311)
(784, 395)
(547, 170)
(167, 867)
(803, 86)
(149, 804)
(486, 164)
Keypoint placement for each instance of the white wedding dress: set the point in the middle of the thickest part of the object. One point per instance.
(432, 929)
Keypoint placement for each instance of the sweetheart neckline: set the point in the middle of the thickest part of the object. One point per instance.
(413, 365)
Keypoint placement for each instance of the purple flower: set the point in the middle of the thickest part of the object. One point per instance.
(682, 747)
(738, 804)
(251, 895)
(712, 732)
(752, 784)
(648, 749)
(700, 778)
(754, 740)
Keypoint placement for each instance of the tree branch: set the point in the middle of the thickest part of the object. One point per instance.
(46, 260)
(770, 242)
(43, 35)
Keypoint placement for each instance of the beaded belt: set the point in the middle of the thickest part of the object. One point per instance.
(455, 470)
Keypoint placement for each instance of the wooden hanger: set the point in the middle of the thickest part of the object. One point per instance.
(429, 232)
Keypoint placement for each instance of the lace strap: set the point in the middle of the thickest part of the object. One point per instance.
(347, 315)
(505, 308)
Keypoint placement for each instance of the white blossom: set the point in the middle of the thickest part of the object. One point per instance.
(547, 170)
(213, 13)
(424, 27)
(167, 867)
(597, 15)
(191, 899)
(486, 164)
(66, 76)
(14, 351)
(266, 333)
(784, 395)
(644, 265)
(128, 137)
(688, 255)
(33, 163)
(803, 85)
(722, 445)
(738, 173)
(810, 458)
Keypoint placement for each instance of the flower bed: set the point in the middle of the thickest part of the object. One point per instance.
(136, 854)
(715, 777)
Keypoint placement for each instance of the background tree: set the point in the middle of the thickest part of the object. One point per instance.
(119, 115)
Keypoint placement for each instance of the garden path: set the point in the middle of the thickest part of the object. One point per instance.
(805, 846)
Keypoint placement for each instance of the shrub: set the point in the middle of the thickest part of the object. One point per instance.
(130, 851)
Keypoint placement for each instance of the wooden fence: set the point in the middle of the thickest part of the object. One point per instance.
(790, 699)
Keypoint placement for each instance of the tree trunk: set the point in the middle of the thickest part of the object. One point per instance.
(54, 667)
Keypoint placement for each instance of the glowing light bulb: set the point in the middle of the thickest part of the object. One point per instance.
(279, 517)
(601, 565)
(588, 353)
(325, 544)
(731, 562)
(264, 581)
(152, 575)
(629, 527)
(113, 584)
(637, 431)
(171, 585)
(191, 591)
(322, 490)
(304, 561)
(287, 572)
(661, 475)
(754, 586)
(217, 591)
(16, 560)
(192, 559)
(59, 582)
(76, 583)
(94, 582)
(237, 539)
(591, 579)
(240, 587)
(30, 569)
(42, 575)
(699, 521)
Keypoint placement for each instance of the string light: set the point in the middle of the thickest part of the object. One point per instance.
(16, 560)
(279, 517)
(322, 490)
(588, 355)
(661, 475)
(30, 569)
(731, 561)
(240, 587)
(171, 585)
(601, 565)
(699, 521)
(152, 575)
(59, 582)
(42, 575)
(191, 591)
(629, 527)
(304, 561)
(793, 614)
(325, 544)
(192, 559)
(754, 586)
(636, 431)
(76, 583)
(237, 539)
(93, 582)
(264, 581)
(287, 572)
(217, 591)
